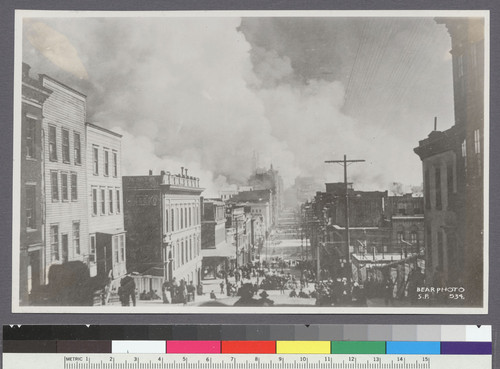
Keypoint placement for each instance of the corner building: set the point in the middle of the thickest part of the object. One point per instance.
(32, 241)
(453, 169)
(163, 222)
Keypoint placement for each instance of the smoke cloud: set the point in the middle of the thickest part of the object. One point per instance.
(200, 93)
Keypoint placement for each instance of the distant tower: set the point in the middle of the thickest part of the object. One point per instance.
(255, 162)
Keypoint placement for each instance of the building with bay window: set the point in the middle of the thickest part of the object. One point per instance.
(31, 268)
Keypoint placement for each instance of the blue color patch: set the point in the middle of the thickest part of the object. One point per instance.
(413, 348)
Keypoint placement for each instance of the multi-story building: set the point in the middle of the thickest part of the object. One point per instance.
(215, 251)
(260, 203)
(163, 223)
(32, 240)
(269, 179)
(405, 215)
(65, 172)
(238, 232)
(107, 255)
(453, 169)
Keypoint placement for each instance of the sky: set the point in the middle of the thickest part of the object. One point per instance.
(212, 93)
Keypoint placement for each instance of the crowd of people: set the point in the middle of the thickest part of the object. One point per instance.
(249, 281)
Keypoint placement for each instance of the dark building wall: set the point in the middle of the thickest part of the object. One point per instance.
(208, 235)
(142, 217)
(31, 182)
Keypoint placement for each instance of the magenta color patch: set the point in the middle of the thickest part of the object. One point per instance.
(193, 347)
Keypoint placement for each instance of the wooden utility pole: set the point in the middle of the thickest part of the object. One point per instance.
(345, 163)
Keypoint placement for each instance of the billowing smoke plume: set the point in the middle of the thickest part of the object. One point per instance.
(195, 92)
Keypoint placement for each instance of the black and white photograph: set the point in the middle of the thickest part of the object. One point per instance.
(272, 162)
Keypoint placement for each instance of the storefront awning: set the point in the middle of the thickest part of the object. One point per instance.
(223, 251)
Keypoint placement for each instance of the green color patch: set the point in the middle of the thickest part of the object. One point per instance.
(358, 347)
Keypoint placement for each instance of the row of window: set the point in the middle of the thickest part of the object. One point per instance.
(65, 145)
(181, 217)
(117, 245)
(59, 243)
(105, 201)
(68, 190)
(107, 156)
(185, 251)
(413, 236)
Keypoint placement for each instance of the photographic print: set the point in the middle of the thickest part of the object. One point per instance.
(251, 162)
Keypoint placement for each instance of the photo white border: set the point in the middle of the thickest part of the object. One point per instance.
(173, 309)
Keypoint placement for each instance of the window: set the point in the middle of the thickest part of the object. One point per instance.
(115, 164)
(92, 255)
(54, 186)
(65, 145)
(52, 144)
(438, 189)
(190, 249)
(54, 242)
(106, 162)
(76, 238)
(103, 201)
(400, 236)
(122, 247)
(473, 54)
(64, 186)
(182, 218)
(464, 153)
(94, 201)
(185, 217)
(74, 187)
(118, 207)
(182, 252)
(95, 153)
(413, 237)
(78, 148)
(449, 184)
(440, 249)
(429, 245)
(110, 199)
(30, 207)
(177, 218)
(172, 219)
(30, 138)
(477, 141)
(460, 63)
(116, 249)
(167, 223)
(190, 217)
(427, 189)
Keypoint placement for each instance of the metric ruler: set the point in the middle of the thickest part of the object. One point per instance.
(242, 361)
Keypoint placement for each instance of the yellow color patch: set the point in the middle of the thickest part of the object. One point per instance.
(303, 347)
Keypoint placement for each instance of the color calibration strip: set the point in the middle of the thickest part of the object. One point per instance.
(252, 332)
(250, 347)
(250, 339)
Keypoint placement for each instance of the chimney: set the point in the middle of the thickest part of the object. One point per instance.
(182, 171)
(162, 173)
(435, 123)
(26, 70)
(150, 172)
(186, 171)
